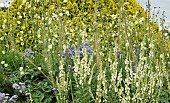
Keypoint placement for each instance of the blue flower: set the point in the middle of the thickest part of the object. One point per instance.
(81, 45)
(20, 91)
(69, 50)
(89, 50)
(71, 53)
(69, 66)
(14, 96)
(2, 95)
(87, 44)
(28, 50)
(11, 100)
(133, 67)
(143, 65)
(80, 53)
(15, 86)
(29, 53)
(63, 54)
(137, 50)
(118, 53)
(22, 85)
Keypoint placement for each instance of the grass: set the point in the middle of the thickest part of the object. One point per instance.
(125, 62)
